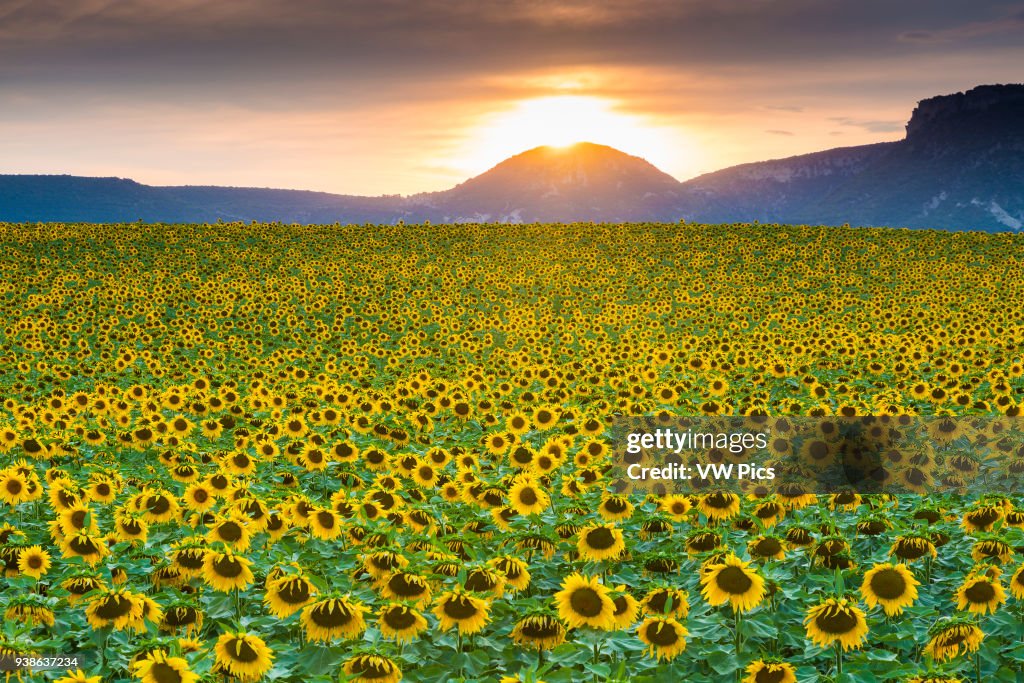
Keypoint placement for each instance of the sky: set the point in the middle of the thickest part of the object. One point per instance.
(397, 97)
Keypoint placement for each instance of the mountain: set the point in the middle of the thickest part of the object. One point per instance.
(960, 167)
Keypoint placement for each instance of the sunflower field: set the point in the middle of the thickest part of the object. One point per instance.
(267, 452)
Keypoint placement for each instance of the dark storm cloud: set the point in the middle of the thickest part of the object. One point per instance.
(137, 42)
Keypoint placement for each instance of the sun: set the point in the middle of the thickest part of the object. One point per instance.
(562, 121)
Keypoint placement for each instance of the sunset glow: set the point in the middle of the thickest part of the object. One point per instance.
(561, 121)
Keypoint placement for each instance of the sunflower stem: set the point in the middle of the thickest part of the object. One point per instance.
(597, 654)
(839, 663)
(738, 639)
(977, 666)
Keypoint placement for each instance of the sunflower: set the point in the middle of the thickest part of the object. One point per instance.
(182, 617)
(515, 571)
(982, 517)
(243, 655)
(664, 637)
(324, 524)
(991, 548)
(950, 639)
(626, 608)
(286, 595)
(158, 667)
(226, 571)
(720, 505)
(405, 586)
(539, 631)
(614, 508)
(527, 498)
(332, 618)
(836, 620)
(458, 608)
(1017, 583)
(117, 608)
(980, 593)
(766, 547)
(79, 585)
(14, 488)
(891, 586)
(600, 542)
(400, 622)
(585, 602)
(366, 668)
(666, 601)
(913, 547)
(130, 529)
(675, 506)
(89, 548)
(233, 531)
(770, 670)
(34, 561)
(199, 497)
(735, 582)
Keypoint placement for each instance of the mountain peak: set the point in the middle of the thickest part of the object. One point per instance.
(582, 181)
(983, 111)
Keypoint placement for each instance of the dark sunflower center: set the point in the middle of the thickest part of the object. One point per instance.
(983, 517)
(836, 622)
(158, 504)
(14, 486)
(703, 542)
(540, 628)
(35, 562)
(719, 500)
(113, 607)
(369, 668)
(528, 496)
(480, 582)
(661, 634)
(399, 618)
(911, 549)
(227, 567)
(733, 580)
(200, 495)
(294, 592)
(980, 592)
(766, 676)
(403, 586)
(325, 519)
(818, 450)
(768, 547)
(230, 531)
(460, 608)
(615, 506)
(181, 616)
(83, 546)
(586, 601)
(888, 584)
(600, 539)
(332, 614)
(190, 559)
(162, 672)
(241, 651)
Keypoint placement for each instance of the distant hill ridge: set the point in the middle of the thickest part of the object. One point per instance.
(960, 167)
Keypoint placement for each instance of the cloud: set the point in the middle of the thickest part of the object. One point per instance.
(1010, 25)
(871, 126)
(780, 132)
